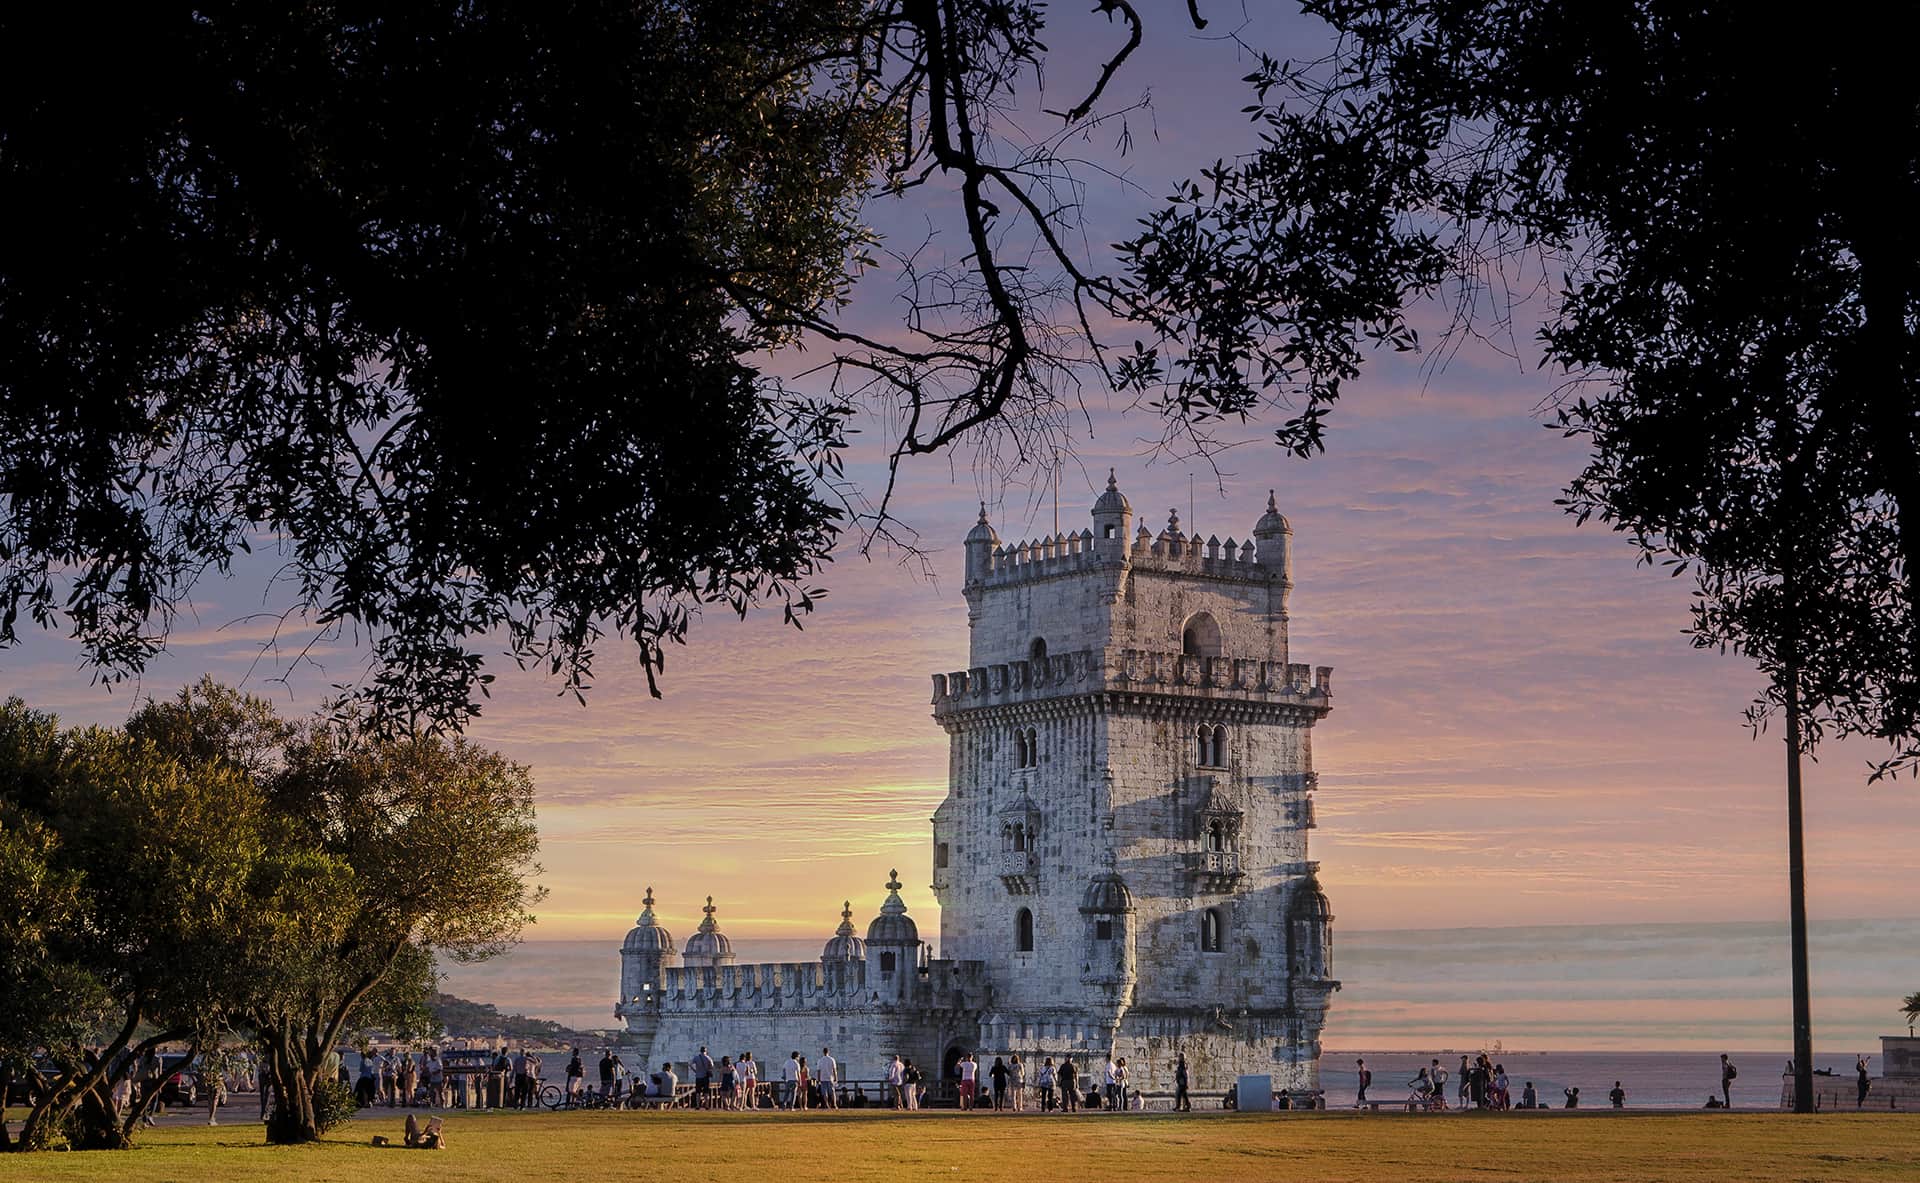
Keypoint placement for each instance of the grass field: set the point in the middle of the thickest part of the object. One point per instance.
(1321, 1148)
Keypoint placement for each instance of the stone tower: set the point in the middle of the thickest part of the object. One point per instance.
(646, 952)
(1124, 840)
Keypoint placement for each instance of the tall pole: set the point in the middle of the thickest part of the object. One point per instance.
(1797, 897)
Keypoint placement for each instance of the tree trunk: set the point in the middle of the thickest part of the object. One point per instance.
(291, 1120)
(1797, 899)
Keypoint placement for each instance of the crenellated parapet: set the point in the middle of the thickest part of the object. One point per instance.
(1088, 671)
(1172, 552)
(808, 986)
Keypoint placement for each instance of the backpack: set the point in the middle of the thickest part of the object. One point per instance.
(1732, 1072)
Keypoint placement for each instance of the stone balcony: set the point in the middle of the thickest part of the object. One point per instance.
(1215, 870)
(1139, 670)
(1020, 871)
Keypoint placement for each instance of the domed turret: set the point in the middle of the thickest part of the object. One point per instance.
(1107, 970)
(1310, 933)
(893, 926)
(893, 949)
(647, 936)
(844, 946)
(647, 951)
(981, 541)
(1273, 541)
(709, 946)
(1111, 516)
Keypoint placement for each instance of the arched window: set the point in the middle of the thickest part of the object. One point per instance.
(1109, 531)
(1103, 930)
(1037, 653)
(1200, 636)
(1030, 748)
(1019, 837)
(1210, 747)
(1023, 930)
(886, 963)
(1210, 931)
(1216, 835)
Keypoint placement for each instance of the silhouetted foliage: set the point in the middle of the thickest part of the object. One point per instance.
(463, 309)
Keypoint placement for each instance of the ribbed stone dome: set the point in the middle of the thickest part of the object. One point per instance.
(647, 936)
(709, 941)
(1107, 895)
(893, 926)
(1113, 500)
(1271, 522)
(982, 532)
(844, 946)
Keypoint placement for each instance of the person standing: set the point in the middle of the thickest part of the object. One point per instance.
(969, 1080)
(998, 1073)
(911, 1078)
(1069, 1078)
(1110, 1083)
(214, 1081)
(1044, 1079)
(702, 1068)
(1529, 1099)
(790, 1080)
(829, 1075)
(1864, 1082)
(802, 1085)
(1439, 1077)
(1120, 1077)
(1618, 1096)
(1465, 1094)
(1727, 1073)
(1182, 1104)
(576, 1077)
(749, 1081)
(896, 1079)
(1366, 1078)
(1017, 1082)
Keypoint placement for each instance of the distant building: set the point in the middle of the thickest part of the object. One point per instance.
(1121, 858)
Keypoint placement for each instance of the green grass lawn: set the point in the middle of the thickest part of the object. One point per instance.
(1321, 1148)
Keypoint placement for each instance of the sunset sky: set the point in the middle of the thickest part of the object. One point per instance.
(1521, 734)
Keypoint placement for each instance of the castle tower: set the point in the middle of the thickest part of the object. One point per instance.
(647, 951)
(1124, 840)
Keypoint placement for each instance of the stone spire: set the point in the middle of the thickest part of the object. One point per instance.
(646, 913)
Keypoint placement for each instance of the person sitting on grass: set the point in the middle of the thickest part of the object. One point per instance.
(430, 1137)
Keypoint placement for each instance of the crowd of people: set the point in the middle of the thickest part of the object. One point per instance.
(1483, 1084)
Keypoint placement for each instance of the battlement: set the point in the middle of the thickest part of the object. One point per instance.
(1173, 552)
(1088, 671)
(806, 985)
